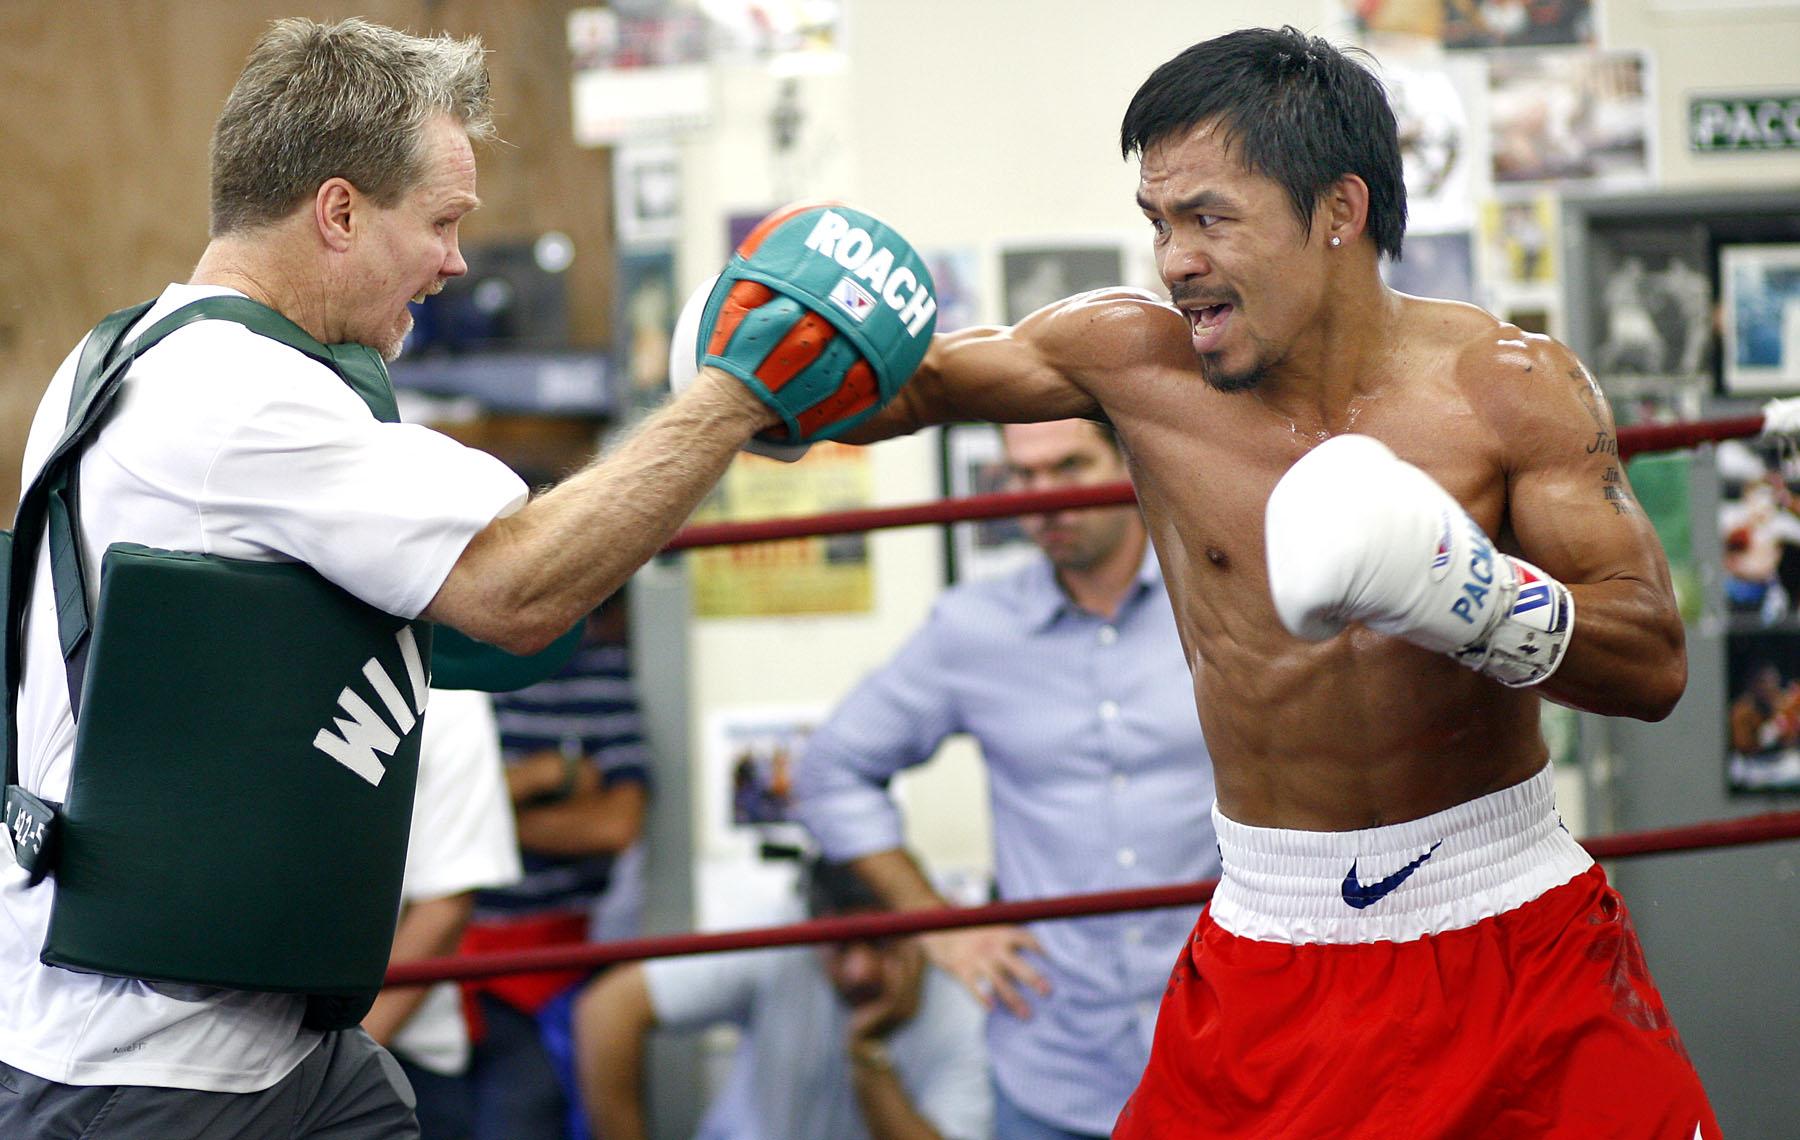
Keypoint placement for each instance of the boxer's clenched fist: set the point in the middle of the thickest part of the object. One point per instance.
(1356, 534)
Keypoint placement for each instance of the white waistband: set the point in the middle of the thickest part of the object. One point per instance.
(1393, 884)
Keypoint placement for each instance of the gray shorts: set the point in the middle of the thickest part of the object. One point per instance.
(349, 1088)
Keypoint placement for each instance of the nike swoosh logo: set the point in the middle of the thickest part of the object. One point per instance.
(1360, 896)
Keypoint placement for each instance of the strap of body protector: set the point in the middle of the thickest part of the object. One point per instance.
(320, 929)
(52, 505)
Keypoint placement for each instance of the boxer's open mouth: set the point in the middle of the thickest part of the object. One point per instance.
(1208, 323)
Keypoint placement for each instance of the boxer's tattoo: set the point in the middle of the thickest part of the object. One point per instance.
(1604, 444)
(1591, 397)
(1613, 487)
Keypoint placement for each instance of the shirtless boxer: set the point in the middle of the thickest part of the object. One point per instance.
(1406, 941)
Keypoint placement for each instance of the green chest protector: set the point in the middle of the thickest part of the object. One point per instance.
(247, 736)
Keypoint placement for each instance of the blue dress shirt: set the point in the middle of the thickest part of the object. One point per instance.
(1099, 780)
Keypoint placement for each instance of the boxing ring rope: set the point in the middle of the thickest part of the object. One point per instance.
(1636, 440)
(1769, 827)
(1765, 828)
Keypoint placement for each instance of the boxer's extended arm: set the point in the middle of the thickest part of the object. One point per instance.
(526, 578)
(1042, 368)
(1571, 510)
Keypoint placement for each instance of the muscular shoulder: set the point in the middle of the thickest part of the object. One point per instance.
(1519, 383)
(1104, 331)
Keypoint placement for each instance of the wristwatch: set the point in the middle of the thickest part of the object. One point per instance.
(867, 1053)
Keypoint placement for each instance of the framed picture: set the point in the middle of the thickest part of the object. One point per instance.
(1034, 276)
(974, 464)
(1761, 294)
(1652, 307)
(1562, 116)
(647, 193)
(1763, 717)
(1434, 265)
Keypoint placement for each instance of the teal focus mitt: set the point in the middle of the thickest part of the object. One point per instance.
(824, 312)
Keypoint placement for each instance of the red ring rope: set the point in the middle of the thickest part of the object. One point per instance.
(1632, 441)
(1765, 828)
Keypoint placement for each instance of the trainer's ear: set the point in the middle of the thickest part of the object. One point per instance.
(1343, 210)
(334, 204)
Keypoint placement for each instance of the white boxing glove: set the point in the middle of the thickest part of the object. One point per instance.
(1357, 534)
(684, 366)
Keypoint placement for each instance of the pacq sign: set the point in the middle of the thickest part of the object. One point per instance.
(1744, 122)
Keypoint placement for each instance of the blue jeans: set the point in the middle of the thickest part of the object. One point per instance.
(1013, 1123)
(515, 1074)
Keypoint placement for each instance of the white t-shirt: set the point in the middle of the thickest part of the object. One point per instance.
(224, 442)
(791, 1078)
(462, 840)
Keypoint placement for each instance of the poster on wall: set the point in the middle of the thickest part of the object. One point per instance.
(1759, 528)
(643, 323)
(646, 192)
(1762, 677)
(829, 574)
(956, 275)
(1519, 237)
(1761, 286)
(1034, 276)
(748, 777)
(1569, 116)
(1439, 148)
(748, 847)
(1434, 265)
(975, 464)
(1517, 23)
(1653, 298)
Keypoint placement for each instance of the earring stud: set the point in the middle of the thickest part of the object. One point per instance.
(1336, 241)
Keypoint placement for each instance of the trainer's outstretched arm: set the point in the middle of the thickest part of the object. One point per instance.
(526, 578)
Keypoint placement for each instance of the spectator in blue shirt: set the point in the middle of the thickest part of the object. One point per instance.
(1070, 676)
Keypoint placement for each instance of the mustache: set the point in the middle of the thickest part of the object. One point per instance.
(1188, 295)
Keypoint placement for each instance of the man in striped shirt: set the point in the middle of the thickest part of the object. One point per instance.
(577, 771)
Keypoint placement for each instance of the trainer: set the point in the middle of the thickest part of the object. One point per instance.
(249, 425)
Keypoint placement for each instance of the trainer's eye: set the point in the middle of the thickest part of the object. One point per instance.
(1208, 220)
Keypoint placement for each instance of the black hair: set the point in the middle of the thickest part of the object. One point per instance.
(836, 888)
(1302, 111)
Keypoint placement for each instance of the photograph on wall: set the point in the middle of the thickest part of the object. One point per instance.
(1519, 238)
(1653, 299)
(1761, 287)
(1439, 151)
(1434, 265)
(1034, 276)
(1560, 116)
(1422, 19)
(826, 574)
(1517, 23)
(956, 273)
(646, 193)
(748, 775)
(1759, 534)
(643, 323)
(974, 464)
(1762, 677)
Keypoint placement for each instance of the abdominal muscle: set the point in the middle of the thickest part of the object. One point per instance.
(1359, 731)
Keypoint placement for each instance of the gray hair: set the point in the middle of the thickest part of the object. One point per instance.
(346, 100)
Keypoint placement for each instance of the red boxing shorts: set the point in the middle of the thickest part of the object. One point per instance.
(1468, 974)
